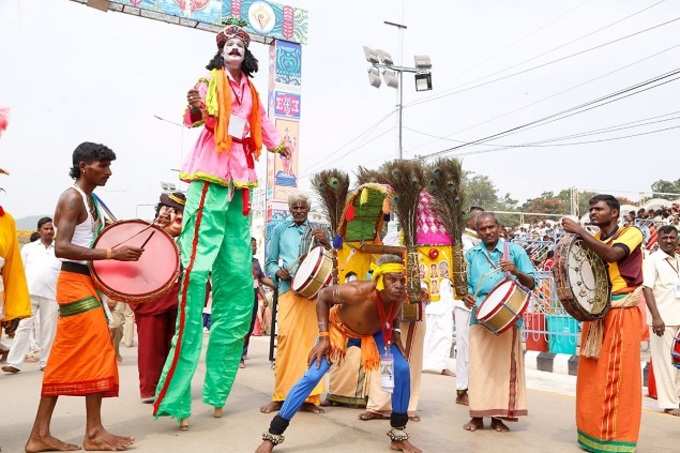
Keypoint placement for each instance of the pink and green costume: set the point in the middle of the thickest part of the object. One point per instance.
(215, 242)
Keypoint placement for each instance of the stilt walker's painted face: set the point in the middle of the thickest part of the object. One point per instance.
(234, 52)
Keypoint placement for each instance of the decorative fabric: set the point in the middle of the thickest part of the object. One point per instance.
(340, 333)
(429, 227)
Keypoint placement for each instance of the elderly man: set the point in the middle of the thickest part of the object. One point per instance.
(609, 381)
(662, 285)
(296, 319)
(42, 267)
(360, 314)
(497, 384)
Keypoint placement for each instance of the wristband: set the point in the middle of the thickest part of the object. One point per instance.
(323, 334)
(396, 330)
(109, 254)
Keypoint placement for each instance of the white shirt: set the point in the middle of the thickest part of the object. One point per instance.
(662, 276)
(41, 266)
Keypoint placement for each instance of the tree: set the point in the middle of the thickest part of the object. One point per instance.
(664, 186)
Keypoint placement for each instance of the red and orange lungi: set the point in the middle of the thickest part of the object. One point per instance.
(82, 361)
(609, 388)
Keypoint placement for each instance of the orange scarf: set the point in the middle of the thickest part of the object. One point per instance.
(339, 333)
(222, 138)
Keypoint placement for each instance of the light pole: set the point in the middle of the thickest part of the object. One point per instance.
(382, 62)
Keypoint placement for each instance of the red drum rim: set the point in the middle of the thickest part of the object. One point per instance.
(136, 298)
(503, 299)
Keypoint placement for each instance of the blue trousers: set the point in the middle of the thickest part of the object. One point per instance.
(400, 396)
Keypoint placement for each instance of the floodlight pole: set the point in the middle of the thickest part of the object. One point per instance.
(400, 28)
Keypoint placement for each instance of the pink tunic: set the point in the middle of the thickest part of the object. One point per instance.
(226, 167)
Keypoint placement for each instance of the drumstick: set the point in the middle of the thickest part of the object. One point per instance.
(133, 236)
(147, 240)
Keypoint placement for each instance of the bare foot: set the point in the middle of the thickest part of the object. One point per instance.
(9, 369)
(271, 407)
(184, 424)
(673, 412)
(265, 447)
(218, 412)
(414, 418)
(498, 426)
(102, 440)
(368, 415)
(38, 443)
(474, 424)
(313, 408)
(462, 398)
(446, 372)
(242, 364)
(405, 446)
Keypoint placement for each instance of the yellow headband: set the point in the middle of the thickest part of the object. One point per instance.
(387, 268)
(176, 199)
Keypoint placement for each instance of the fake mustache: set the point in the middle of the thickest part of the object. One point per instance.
(235, 53)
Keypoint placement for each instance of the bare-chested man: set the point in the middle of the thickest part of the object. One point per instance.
(82, 361)
(364, 314)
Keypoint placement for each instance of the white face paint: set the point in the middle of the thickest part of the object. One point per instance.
(234, 52)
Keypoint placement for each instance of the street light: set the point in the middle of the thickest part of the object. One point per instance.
(393, 75)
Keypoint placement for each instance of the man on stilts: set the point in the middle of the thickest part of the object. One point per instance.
(215, 238)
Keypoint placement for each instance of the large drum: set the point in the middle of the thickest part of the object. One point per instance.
(581, 280)
(675, 352)
(503, 306)
(150, 277)
(315, 272)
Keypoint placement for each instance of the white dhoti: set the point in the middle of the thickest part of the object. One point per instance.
(439, 335)
(462, 320)
(666, 376)
(48, 310)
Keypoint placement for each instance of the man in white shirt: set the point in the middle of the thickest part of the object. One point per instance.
(461, 316)
(662, 284)
(41, 267)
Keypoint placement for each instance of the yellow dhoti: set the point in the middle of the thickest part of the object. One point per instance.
(297, 332)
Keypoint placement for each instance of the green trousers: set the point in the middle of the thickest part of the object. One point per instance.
(215, 244)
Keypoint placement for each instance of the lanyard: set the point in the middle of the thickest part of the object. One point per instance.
(385, 320)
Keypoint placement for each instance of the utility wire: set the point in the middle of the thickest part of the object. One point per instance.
(367, 131)
(596, 103)
(559, 93)
(585, 142)
(613, 128)
(357, 148)
(539, 66)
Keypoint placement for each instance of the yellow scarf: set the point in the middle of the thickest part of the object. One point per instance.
(387, 268)
(218, 104)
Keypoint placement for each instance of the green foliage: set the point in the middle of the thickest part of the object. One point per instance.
(667, 187)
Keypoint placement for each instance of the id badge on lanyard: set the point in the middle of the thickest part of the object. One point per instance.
(387, 371)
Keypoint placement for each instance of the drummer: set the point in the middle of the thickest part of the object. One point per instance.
(608, 396)
(82, 361)
(156, 319)
(497, 388)
(297, 329)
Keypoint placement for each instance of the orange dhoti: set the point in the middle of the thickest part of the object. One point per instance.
(82, 361)
(609, 388)
(297, 332)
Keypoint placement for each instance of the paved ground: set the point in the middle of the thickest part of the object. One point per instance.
(549, 427)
